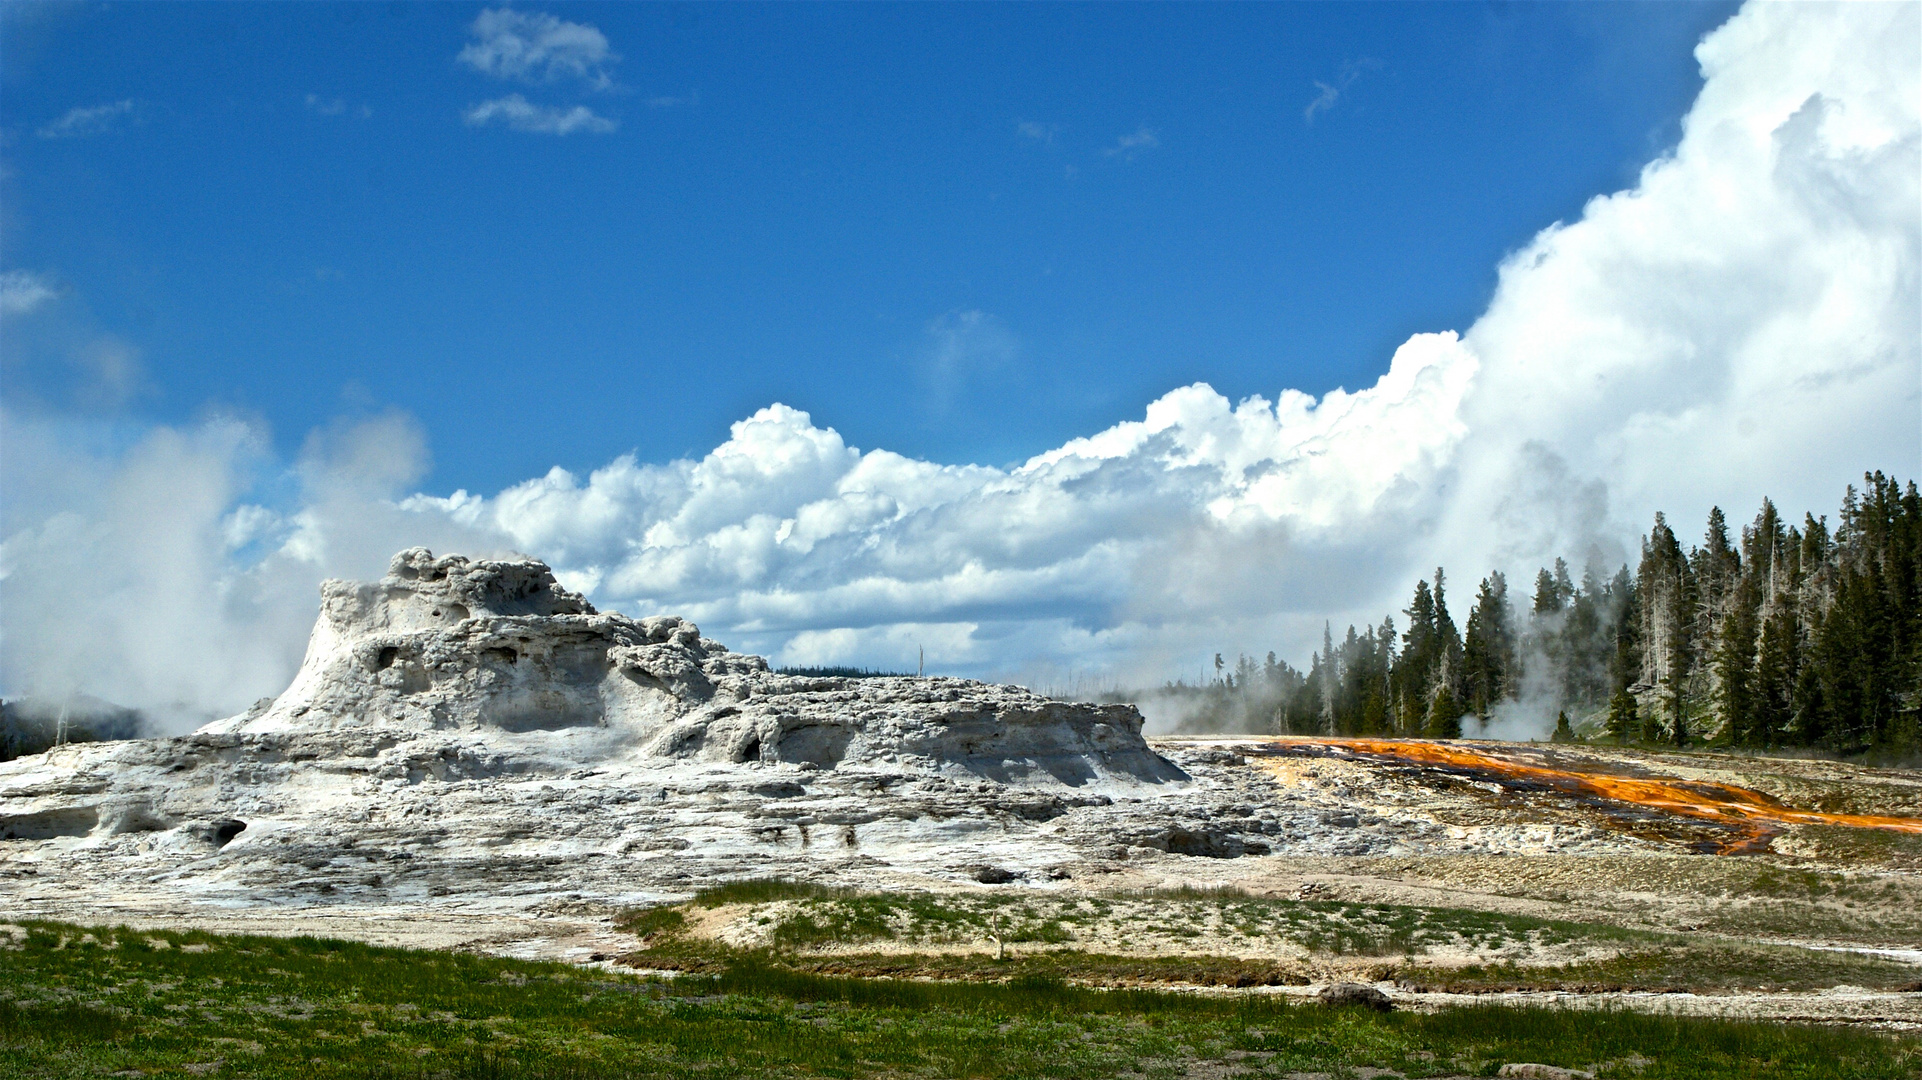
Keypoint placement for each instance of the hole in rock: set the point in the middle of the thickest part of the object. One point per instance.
(748, 750)
(501, 656)
(386, 658)
(219, 831)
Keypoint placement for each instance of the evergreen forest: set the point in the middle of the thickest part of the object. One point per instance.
(1768, 636)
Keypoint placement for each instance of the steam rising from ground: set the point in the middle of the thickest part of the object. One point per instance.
(134, 573)
(1744, 322)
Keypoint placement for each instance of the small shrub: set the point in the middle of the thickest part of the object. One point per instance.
(1186, 892)
(765, 891)
(643, 922)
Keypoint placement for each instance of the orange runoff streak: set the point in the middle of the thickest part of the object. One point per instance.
(1715, 802)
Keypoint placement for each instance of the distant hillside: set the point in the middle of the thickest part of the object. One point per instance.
(31, 725)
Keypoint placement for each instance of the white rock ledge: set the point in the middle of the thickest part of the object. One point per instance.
(468, 732)
(488, 649)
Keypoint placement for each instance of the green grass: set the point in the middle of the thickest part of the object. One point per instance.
(88, 1002)
(813, 917)
(1862, 847)
(1185, 892)
(646, 922)
(1697, 967)
(913, 934)
(765, 891)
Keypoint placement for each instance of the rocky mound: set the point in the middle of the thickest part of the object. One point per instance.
(470, 736)
(493, 650)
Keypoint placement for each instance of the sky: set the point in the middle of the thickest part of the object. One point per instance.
(964, 233)
(1043, 338)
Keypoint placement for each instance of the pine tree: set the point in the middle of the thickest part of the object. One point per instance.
(1545, 642)
(1625, 617)
(1771, 562)
(1444, 715)
(1563, 732)
(1414, 670)
(1727, 649)
(1623, 724)
(1355, 653)
(1716, 565)
(1384, 675)
(1548, 597)
(1775, 679)
(1733, 664)
(1488, 649)
(1765, 555)
(1583, 644)
(1374, 712)
(1668, 648)
(1448, 645)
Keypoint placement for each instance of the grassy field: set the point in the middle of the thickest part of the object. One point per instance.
(811, 928)
(825, 915)
(90, 1002)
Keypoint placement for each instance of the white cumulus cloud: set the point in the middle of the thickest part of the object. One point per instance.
(537, 47)
(1205, 509)
(521, 115)
(1744, 321)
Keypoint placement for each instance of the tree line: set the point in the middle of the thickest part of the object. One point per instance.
(1775, 635)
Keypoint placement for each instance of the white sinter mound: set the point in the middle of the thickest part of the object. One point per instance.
(469, 736)
(498, 654)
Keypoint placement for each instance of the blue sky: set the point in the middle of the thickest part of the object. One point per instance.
(920, 224)
(287, 288)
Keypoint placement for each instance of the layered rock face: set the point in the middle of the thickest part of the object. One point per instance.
(492, 649)
(469, 733)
